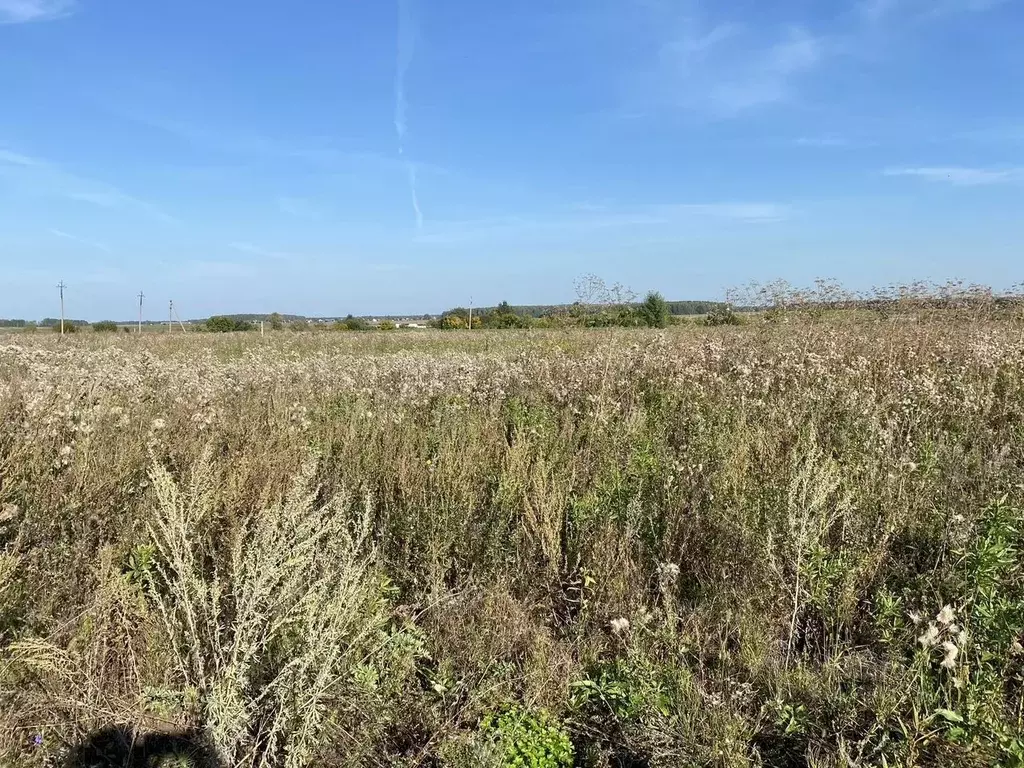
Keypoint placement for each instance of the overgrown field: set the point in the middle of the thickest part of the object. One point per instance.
(782, 544)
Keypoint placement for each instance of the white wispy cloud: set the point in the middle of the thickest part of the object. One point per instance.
(300, 208)
(875, 10)
(749, 213)
(728, 69)
(105, 276)
(823, 142)
(770, 78)
(106, 196)
(37, 177)
(319, 154)
(81, 240)
(879, 10)
(961, 176)
(25, 11)
(389, 267)
(16, 158)
(256, 250)
(683, 217)
(210, 270)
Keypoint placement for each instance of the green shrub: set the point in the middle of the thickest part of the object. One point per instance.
(351, 323)
(221, 324)
(722, 315)
(451, 323)
(528, 739)
(105, 326)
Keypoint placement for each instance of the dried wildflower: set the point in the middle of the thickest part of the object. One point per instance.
(1016, 649)
(159, 425)
(668, 572)
(620, 626)
(930, 638)
(915, 617)
(951, 652)
(945, 617)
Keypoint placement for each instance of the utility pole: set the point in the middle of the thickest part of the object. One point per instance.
(170, 316)
(61, 287)
(471, 313)
(183, 329)
(141, 297)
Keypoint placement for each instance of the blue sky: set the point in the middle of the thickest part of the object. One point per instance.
(324, 158)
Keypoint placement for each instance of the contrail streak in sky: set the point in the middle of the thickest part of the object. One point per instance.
(406, 51)
(415, 197)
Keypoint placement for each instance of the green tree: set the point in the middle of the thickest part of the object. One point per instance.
(456, 318)
(276, 321)
(504, 316)
(105, 326)
(654, 311)
(356, 324)
(220, 324)
(451, 322)
(386, 325)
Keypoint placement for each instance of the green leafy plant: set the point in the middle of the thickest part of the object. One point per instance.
(609, 690)
(528, 739)
(140, 566)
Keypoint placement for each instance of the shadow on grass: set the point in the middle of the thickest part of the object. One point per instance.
(122, 747)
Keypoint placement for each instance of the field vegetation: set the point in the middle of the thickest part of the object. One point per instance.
(792, 541)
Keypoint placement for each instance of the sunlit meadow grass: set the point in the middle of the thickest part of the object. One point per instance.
(787, 543)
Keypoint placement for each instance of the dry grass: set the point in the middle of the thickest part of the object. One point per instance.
(328, 549)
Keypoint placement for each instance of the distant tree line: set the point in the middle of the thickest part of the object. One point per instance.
(50, 322)
(652, 312)
(539, 311)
